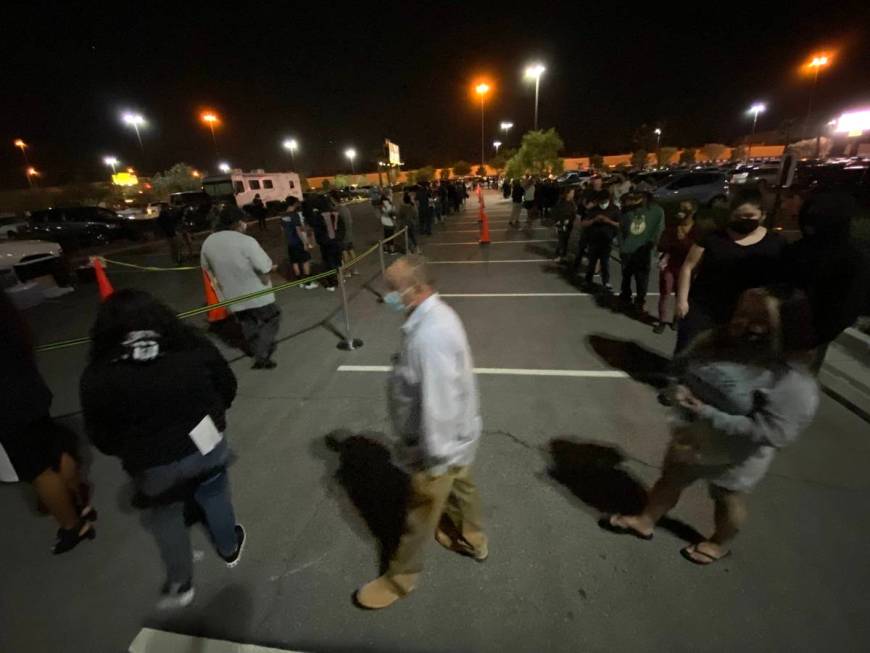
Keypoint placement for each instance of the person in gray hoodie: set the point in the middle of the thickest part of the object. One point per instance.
(744, 391)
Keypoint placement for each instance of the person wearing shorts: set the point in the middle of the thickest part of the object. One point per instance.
(298, 242)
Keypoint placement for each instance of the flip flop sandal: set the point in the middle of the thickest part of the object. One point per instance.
(692, 548)
(606, 523)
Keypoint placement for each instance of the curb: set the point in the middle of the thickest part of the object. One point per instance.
(839, 384)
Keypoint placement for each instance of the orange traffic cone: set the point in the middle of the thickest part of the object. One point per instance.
(217, 314)
(484, 227)
(103, 284)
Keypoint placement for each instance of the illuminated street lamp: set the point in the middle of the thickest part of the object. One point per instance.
(496, 145)
(21, 145)
(291, 146)
(31, 173)
(815, 65)
(135, 120)
(755, 109)
(534, 72)
(658, 132)
(211, 119)
(505, 126)
(224, 167)
(482, 89)
(350, 153)
(111, 162)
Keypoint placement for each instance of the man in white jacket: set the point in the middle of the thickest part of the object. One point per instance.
(436, 416)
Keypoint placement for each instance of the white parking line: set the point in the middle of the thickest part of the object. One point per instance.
(479, 295)
(507, 371)
(519, 260)
(494, 242)
(151, 640)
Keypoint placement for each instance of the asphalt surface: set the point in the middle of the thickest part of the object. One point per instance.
(313, 485)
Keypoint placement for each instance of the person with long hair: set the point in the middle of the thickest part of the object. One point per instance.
(744, 392)
(33, 447)
(723, 264)
(674, 246)
(155, 394)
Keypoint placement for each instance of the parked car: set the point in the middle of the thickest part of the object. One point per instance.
(11, 225)
(22, 260)
(80, 225)
(654, 178)
(708, 187)
(573, 177)
(195, 208)
(850, 176)
(763, 176)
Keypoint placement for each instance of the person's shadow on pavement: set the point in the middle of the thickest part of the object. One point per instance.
(640, 363)
(377, 489)
(594, 474)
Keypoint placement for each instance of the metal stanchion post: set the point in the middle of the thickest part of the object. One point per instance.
(349, 343)
(407, 245)
(381, 254)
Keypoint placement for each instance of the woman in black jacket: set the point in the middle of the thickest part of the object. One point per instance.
(154, 394)
(33, 448)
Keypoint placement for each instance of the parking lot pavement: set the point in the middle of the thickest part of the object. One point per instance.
(314, 487)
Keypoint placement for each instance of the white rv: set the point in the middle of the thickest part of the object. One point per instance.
(243, 186)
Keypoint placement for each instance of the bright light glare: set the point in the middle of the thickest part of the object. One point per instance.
(209, 117)
(32, 172)
(290, 144)
(535, 70)
(19, 143)
(506, 125)
(482, 88)
(110, 161)
(758, 107)
(853, 121)
(496, 144)
(819, 61)
(223, 166)
(133, 119)
(350, 153)
(657, 131)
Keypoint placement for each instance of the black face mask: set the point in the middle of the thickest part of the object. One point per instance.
(744, 226)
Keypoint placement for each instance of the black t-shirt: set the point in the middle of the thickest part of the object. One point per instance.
(601, 233)
(728, 269)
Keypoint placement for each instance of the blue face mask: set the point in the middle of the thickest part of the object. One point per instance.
(394, 300)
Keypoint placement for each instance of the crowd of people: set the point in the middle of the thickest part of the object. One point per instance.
(754, 316)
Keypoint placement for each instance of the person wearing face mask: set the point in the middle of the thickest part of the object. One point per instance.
(642, 223)
(436, 419)
(744, 392)
(600, 226)
(674, 247)
(828, 267)
(239, 266)
(723, 264)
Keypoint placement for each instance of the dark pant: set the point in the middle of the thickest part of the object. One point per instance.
(425, 222)
(582, 247)
(211, 493)
(260, 326)
(562, 247)
(636, 266)
(699, 319)
(599, 253)
(330, 251)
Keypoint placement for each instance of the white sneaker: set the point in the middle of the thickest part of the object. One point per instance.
(310, 286)
(176, 595)
(330, 289)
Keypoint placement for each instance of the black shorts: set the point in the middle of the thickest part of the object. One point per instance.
(38, 447)
(528, 205)
(298, 255)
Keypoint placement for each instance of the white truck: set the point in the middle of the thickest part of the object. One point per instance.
(241, 187)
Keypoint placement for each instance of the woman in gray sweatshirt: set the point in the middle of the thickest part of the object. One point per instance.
(744, 392)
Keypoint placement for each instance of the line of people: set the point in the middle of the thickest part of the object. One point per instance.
(743, 388)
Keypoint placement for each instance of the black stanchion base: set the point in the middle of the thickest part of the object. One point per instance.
(350, 345)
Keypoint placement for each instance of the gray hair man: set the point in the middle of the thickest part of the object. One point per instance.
(241, 267)
(436, 416)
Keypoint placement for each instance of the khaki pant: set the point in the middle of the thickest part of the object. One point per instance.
(451, 499)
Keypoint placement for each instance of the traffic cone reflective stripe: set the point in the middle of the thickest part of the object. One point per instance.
(216, 314)
(484, 227)
(103, 284)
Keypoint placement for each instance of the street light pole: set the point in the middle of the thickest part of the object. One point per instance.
(482, 89)
(658, 133)
(534, 72)
(755, 109)
(816, 64)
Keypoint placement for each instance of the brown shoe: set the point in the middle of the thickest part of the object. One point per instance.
(382, 592)
(460, 547)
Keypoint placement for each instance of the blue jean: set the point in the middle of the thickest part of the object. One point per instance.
(213, 497)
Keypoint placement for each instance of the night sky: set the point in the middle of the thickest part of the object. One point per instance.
(339, 75)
